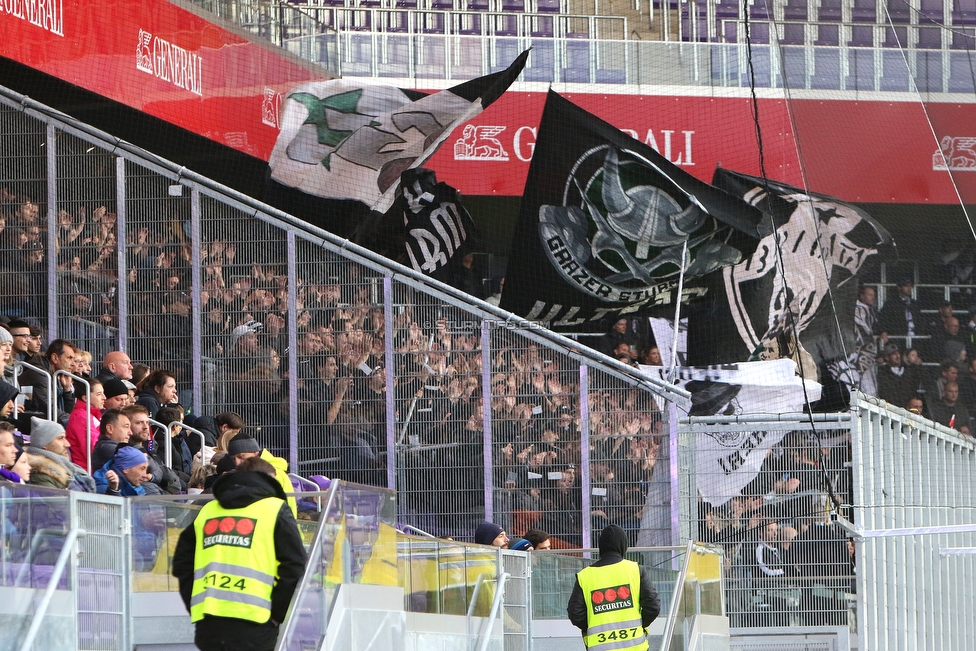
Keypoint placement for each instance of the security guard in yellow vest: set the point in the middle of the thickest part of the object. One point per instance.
(240, 561)
(613, 601)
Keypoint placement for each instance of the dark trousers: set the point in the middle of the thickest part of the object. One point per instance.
(231, 634)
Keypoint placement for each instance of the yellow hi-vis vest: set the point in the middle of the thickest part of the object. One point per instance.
(235, 564)
(613, 618)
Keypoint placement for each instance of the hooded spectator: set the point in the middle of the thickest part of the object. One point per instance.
(82, 414)
(8, 394)
(123, 474)
(243, 446)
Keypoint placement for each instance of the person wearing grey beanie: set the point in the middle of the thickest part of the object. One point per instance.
(43, 432)
(243, 444)
(50, 461)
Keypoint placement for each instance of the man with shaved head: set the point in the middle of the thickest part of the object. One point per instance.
(115, 366)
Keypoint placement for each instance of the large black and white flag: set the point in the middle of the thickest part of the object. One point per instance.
(437, 226)
(346, 139)
(819, 246)
(603, 223)
(727, 461)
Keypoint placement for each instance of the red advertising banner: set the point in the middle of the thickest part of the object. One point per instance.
(868, 152)
(164, 60)
(160, 59)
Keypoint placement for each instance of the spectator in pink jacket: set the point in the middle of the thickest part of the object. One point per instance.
(76, 430)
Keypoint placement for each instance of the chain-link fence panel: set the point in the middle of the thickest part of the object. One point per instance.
(159, 305)
(787, 562)
(630, 478)
(244, 309)
(23, 217)
(535, 435)
(440, 423)
(87, 250)
(340, 353)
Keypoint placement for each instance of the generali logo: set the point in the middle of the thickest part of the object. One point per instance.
(46, 14)
(480, 143)
(484, 143)
(955, 153)
(170, 62)
(270, 108)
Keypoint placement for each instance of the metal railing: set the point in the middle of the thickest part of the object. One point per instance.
(88, 414)
(52, 395)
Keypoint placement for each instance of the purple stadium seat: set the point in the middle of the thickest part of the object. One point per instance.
(963, 39)
(547, 6)
(931, 10)
(900, 11)
(442, 5)
(543, 27)
(827, 35)
(541, 62)
(727, 9)
(577, 59)
(862, 36)
(793, 34)
(864, 11)
(761, 10)
(829, 11)
(321, 481)
(963, 13)
(896, 37)
(432, 23)
(795, 10)
(516, 6)
(759, 32)
(470, 24)
(930, 38)
(477, 5)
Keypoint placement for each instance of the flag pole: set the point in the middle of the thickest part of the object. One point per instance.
(677, 314)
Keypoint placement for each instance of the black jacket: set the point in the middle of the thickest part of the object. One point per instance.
(613, 546)
(237, 490)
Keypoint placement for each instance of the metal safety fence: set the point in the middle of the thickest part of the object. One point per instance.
(914, 524)
(788, 561)
(344, 363)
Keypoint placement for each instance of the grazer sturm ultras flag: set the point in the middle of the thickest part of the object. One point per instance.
(603, 222)
(345, 139)
(823, 243)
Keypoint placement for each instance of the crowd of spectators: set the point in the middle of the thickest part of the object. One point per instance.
(922, 361)
(340, 380)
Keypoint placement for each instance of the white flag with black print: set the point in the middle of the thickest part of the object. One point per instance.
(348, 139)
(727, 461)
